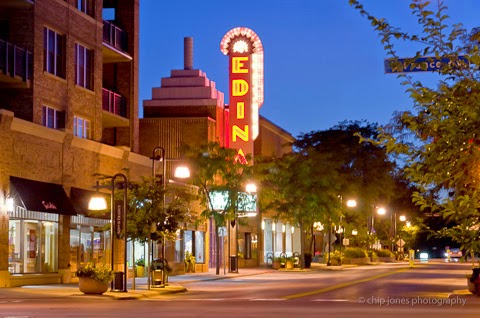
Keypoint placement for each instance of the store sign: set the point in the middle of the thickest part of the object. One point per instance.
(118, 218)
(245, 50)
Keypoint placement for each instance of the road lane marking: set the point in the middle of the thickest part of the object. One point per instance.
(267, 299)
(358, 281)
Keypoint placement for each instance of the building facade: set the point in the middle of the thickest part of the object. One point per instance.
(68, 112)
(188, 109)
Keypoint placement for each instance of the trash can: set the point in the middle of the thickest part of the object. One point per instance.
(157, 272)
(308, 260)
(157, 278)
(233, 263)
(118, 281)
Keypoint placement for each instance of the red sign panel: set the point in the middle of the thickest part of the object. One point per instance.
(240, 116)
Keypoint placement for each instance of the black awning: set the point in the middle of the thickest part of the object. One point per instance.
(80, 199)
(42, 196)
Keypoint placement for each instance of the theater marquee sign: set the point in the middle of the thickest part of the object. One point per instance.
(244, 48)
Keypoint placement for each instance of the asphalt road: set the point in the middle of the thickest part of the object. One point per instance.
(435, 290)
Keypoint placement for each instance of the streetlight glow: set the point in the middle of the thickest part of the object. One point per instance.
(181, 172)
(381, 211)
(351, 203)
(97, 203)
(402, 218)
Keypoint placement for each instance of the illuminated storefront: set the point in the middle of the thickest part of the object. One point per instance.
(39, 210)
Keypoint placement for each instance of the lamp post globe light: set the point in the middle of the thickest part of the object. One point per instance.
(118, 219)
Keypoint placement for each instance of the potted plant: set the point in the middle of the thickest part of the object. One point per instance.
(94, 278)
(140, 267)
(473, 280)
(278, 262)
(290, 262)
(189, 262)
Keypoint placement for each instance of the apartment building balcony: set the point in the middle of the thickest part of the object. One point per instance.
(114, 108)
(114, 44)
(16, 3)
(16, 64)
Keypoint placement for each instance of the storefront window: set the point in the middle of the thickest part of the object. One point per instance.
(188, 242)
(88, 244)
(33, 245)
(194, 242)
(178, 248)
(199, 247)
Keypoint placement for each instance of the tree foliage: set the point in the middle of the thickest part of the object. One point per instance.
(215, 170)
(327, 168)
(148, 215)
(439, 138)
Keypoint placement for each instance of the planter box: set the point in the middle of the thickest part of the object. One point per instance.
(88, 285)
(389, 259)
(356, 261)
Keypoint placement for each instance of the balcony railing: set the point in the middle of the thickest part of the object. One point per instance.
(114, 36)
(114, 103)
(15, 61)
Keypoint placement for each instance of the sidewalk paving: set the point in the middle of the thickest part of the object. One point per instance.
(175, 285)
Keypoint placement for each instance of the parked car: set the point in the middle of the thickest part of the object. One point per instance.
(454, 253)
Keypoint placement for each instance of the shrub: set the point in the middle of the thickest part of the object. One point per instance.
(385, 253)
(355, 252)
(334, 256)
(372, 254)
(100, 272)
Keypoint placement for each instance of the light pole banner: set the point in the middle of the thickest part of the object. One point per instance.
(118, 218)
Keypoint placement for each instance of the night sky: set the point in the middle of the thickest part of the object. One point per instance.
(323, 61)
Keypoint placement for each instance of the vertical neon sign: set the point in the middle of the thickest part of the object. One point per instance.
(244, 48)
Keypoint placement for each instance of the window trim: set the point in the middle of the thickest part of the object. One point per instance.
(58, 52)
(86, 130)
(58, 117)
(84, 70)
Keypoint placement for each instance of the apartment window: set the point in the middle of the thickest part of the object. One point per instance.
(86, 6)
(82, 127)
(83, 66)
(54, 52)
(53, 118)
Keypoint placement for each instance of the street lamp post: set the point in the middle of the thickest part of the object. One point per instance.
(118, 217)
(180, 172)
(329, 263)
(351, 204)
(380, 211)
(156, 157)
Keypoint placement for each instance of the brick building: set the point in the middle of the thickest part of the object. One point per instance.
(68, 111)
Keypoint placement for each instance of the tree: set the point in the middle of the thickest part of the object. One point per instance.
(215, 170)
(364, 170)
(438, 140)
(148, 216)
(299, 188)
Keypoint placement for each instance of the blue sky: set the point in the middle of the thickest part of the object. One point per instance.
(323, 61)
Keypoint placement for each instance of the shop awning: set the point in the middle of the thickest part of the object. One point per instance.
(80, 199)
(41, 196)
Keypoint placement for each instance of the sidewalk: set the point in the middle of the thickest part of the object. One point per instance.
(175, 285)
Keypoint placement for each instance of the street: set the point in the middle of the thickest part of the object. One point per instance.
(434, 289)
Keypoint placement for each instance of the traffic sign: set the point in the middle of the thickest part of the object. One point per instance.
(421, 64)
(400, 242)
